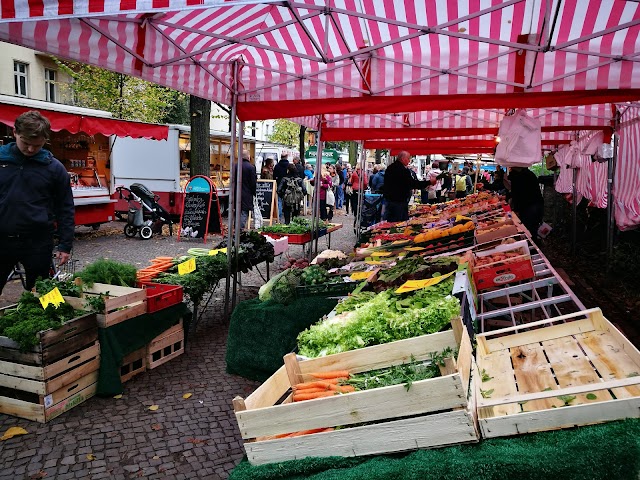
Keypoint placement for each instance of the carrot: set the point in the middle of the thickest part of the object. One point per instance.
(308, 432)
(317, 384)
(310, 390)
(342, 388)
(333, 374)
(298, 397)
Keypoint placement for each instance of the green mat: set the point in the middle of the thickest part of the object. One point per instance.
(261, 333)
(125, 337)
(607, 451)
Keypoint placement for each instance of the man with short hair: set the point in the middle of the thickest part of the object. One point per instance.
(398, 185)
(279, 171)
(299, 167)
(35, 200)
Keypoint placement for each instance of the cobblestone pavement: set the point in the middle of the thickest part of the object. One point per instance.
(120, 438)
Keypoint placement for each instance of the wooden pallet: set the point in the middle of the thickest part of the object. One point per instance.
(41, 393)
(571, 370)
(433, 412)
(133, 364)
(166, 346)
(120, 303)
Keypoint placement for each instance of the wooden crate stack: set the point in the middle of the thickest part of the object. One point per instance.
(120, 303)
(59, 373)
(433, 412)
(166, 346)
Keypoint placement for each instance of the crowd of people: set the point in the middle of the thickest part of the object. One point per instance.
(396, 185)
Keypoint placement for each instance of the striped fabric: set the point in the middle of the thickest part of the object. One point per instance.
(627, 174)
(319, 50)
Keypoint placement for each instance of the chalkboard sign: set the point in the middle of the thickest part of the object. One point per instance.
(266, 193)
(196, 208)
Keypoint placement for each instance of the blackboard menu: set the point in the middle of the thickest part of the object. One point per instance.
(195, 214)
(266, 193)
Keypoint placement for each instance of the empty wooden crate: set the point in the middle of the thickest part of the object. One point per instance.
(120, 303)
(570, 370)
(433, 412)
(60, 372)
(166, 346)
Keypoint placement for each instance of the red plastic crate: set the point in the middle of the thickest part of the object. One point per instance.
(160, 295)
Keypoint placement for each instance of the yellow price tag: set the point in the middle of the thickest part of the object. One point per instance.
(414, 249)
(187, 267)
(411, 285)
(52, 297)
(374, 262)
(381, 254)
(462, 217)
(360, 275)
(217, 251)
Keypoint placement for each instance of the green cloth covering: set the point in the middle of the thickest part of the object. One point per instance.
(610, 450)
(261, 333)
(125, 337)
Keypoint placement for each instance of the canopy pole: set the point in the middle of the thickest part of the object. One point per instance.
(574, 211)
(232, 191)
(611, 222)
(238, 229)
(315, 220)
(475, 184)
(361, 164)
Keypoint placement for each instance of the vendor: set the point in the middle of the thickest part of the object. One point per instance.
(526, 198)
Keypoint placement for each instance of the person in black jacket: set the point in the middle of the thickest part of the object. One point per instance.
(249, 181)
(526, 198)
(35, 200)
(399, 182)
(279, 171)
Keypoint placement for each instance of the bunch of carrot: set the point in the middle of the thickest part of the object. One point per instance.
(326, 384)
(304, 432)
(158, 265)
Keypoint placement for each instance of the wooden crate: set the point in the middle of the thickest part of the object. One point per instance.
(433, 412)
(133, 364)
(166, 346)
(41, 393)
(571, 370)
(122, 303)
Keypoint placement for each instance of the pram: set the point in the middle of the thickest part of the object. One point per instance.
(156, 215)
(371, 210)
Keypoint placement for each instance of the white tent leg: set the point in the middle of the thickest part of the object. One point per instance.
(238, 211)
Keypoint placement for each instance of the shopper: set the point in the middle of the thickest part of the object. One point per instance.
(325, 184)
(399, 184)
(433, 191)
(340, 188)
(299, 167)
(267, 169)
(248, 191)
(291, 189)
(279, 171)
(354, 180)
(35, 200)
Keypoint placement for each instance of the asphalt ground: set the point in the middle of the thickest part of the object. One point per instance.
(120, 438)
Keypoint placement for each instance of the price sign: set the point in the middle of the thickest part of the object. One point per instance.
(360, 275)
(374, 262)
(381, 254)
(414, 249)
(411, 285)
(217, 251)
(187, 267)
(52, 297)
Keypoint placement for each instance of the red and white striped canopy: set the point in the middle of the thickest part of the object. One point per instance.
(314, 57)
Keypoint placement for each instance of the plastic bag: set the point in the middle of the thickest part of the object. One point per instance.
(520, 137)
(257, 214)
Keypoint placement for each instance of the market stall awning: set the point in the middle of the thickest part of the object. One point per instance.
(77, 123)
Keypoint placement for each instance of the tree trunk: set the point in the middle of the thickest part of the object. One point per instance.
(303, 130)
(353, 153)
(200, 111)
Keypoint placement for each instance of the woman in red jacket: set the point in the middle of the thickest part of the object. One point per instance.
(325, 184)
(354, 180)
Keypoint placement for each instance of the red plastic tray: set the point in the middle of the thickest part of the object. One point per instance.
(160, 295)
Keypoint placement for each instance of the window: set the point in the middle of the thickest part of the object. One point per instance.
(20, 78)
(50, 86)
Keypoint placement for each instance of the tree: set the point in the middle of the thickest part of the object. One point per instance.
(285, 133)
(178, 112)
(126, 97)
(200, 110)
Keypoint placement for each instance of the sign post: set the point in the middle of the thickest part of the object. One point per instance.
(266, 192)
(200, 210)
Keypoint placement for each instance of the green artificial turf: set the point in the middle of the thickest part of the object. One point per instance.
(261, 333)
(606, 451)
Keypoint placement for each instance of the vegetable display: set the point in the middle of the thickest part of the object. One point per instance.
(298, 225)
(385, 318)
(109, 272)
(23, 322)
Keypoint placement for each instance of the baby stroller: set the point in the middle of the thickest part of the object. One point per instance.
(371, 210)
(156, 216)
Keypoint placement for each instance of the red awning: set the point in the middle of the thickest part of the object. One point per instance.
(74, 123)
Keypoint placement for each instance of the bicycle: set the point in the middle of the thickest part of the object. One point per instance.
(56, 272)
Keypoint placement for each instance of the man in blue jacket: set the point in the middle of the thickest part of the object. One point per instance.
(248, 191)
(35, 200)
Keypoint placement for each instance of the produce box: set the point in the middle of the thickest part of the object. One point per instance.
(133, 364)
(293, 238)
(494, 229)
(503, 264)
(571, 370)
(166, 346)
(280, 244)
(161, 295)
(433, 412)
(60, 372)
(121, 303)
